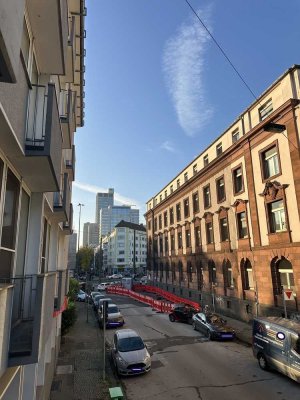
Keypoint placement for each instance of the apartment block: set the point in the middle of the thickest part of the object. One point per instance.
(41, 106)
(125, 249)
(226, 231)
(110, 216)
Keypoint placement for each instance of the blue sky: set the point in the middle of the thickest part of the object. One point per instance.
(158, 90)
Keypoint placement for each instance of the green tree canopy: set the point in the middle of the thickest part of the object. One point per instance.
(85, 257)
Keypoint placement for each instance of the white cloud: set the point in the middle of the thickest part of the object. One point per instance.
(183, 64)
(168, 146)
(119, 199)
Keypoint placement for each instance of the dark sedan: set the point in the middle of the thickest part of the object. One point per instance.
(182, 313)
(213, 326)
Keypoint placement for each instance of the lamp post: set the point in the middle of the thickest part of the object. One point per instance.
(79, 205)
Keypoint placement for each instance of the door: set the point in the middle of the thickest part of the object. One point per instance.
(294, 358)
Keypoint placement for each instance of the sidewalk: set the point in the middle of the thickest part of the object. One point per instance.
(79, 366)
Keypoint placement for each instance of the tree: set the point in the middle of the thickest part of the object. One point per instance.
(85, 257)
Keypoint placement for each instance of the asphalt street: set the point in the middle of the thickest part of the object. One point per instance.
(185, 365)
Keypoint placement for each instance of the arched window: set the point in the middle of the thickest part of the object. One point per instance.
(227, 274)
(161, 270)
(199, 275)
(190, 271)
(173, 272)
(212, 275)
(180, 271)
(282, 275)
(247, 274)
(167, 271)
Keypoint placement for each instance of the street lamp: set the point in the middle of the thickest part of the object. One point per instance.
(79, 205)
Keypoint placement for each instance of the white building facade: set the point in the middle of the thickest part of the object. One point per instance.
(125, 249)
(41, 105)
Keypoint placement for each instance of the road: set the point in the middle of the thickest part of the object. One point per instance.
(186, 366)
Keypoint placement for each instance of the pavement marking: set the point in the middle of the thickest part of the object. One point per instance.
(64, 369)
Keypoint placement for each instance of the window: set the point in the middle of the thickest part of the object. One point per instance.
(166, 244)
(120, 259)
(166, 194)
(172, 242)
(155, 223)
(209, 233)
(223, 229)
(219, 150)
(149, 225)
(235, 136)
(179, 236)
(227, 275)
(121, 252)
(238, 184)
(178, 183)
(270, 162)
(186, 177)
(186, 208)
(194, 169)
(165, 219)
(160, 197)
(178, 212)
(206, 196)
(197, 236)
(159, 222)
(286, 274)
(171, 216)
(212, 275)
(242, 225)
(295, 342)
(171, 189)
(220, 184)
(45, 247)
(276, 214)
(25, 44)
(195, 202)
(205, 160)
(265, 110)
(188, 238)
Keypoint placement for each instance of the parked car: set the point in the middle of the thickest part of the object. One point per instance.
(213, 326)
(113, 316)
(115, 276)
(81, 296)
(96, 300)
(99, 304)
(144, 280)
(102, 286)
(276, 344)
(129, 353)
(182, 313)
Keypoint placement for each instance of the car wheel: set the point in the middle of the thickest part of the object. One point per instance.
(194, 326)
(262, 362)
(171, 318)
(208, 334)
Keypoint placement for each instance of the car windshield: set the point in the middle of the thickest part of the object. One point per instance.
(112, 310)
(214, 319)
(131, 344)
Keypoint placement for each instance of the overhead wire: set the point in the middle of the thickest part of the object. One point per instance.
(228, 59)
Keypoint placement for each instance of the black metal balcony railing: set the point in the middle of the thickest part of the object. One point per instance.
(26, 317)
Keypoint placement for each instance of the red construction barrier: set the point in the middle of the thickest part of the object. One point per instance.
(166, 295)
(158, 305)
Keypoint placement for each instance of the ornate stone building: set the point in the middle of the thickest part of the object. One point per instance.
(226, 231)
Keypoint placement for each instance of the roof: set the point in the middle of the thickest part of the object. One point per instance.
(283, 322)
(131, 225)
(126, 333)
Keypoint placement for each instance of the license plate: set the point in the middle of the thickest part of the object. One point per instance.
(227, 336)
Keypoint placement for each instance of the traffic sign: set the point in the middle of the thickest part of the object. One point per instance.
(288, 294)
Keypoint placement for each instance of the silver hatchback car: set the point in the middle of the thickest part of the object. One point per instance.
(129, 353)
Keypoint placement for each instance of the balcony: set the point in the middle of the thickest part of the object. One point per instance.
(61, 201)
(67, 107)
(49, 24)
(68, 225)
(6, 298)
(23, 304)
(70, 162)
(71, 53)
